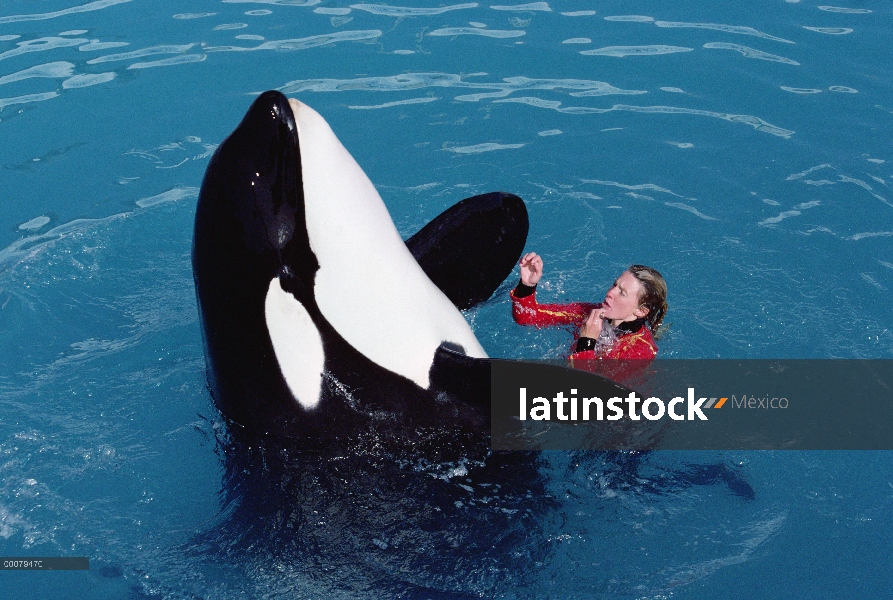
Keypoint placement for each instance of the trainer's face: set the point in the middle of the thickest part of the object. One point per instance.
(622, 300)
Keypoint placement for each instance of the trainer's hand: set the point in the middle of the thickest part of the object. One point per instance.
(531, 268)
(592, 326)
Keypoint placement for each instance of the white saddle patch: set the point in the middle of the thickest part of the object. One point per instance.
(369, 286)
(296, 343)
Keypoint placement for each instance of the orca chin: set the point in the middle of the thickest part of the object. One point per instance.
(318, 319)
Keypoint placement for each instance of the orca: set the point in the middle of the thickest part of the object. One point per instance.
(354, 393)
(318, 319)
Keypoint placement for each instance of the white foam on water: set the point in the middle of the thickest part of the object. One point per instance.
(622, 51)
(751, 52)
(850, 11)
(630, 19)
(42, 45)
(302, 43)
(168, 62)
(396, 103)
(538, 102)
(582, 195)
(872, 281)
(151, 51)
(35, 223)
(95, 45)
(640, 186)
(275, 2)
(415, 81)
(48, 70)
(26, 99)
(493, 33)
(830, 30)
(869, 234)
(755, 122)
(737, 29)
(533, 6)
(30, 246)
(808, 171)
(794, 90)
(98, 5)
(173, 195)
(787, 214)
(87, 79)
(480, 148)
(399, 11)
(690, 209)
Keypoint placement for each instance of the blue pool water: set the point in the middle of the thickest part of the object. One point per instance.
(743, 149)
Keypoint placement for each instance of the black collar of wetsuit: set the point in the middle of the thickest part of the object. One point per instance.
(630, 326)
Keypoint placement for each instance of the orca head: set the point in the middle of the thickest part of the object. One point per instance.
(251, 209)
(250, 253)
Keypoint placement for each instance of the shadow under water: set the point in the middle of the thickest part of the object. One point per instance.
(402, 517)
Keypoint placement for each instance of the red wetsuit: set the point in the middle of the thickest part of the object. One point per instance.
(636, 345)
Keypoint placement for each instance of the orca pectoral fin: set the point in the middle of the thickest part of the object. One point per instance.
(470, 248)
(461, 376)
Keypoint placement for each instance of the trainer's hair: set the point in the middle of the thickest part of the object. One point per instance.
(653, 295)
